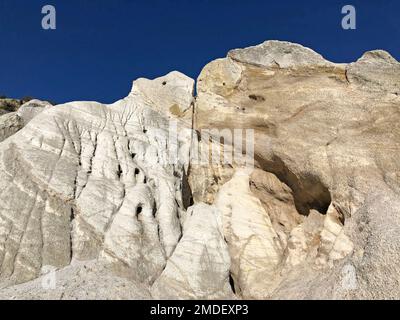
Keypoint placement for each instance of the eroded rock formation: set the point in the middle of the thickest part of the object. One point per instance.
(109, 188)
(329, 134)
(17, 114)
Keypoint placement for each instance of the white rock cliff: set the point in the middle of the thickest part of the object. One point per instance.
(121, 209)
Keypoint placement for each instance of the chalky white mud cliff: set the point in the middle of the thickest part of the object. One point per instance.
(90, 190)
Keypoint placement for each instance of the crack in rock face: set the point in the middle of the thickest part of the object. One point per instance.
(90, 189)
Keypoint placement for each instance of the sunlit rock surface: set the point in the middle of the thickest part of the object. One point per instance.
(93, 187)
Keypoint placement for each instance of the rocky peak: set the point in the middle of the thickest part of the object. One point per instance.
(279, 54)
(170, 94)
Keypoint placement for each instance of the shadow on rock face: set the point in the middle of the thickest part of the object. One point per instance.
(308, 190)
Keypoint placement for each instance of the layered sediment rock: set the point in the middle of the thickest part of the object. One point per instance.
(329, 134)
(316, 215)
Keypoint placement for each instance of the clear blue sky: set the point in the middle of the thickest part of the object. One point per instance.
(100, 46)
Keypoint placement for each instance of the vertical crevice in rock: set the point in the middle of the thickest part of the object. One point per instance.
(119, 171)
(232, 283)
(71, 245)
(187, 196)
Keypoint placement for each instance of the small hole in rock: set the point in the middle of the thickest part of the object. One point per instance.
(176, 174)
(256, 97)
(133, 155)
(164, 83)
(137, 171)
(139, 210)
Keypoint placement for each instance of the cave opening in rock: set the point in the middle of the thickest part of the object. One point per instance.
(309, 192)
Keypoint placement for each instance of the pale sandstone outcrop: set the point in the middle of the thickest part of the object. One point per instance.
(317, 217)
(171, 94)
(31, 109)
(330, 133)
(199, 267)
(89, 280)
(254, 246)
(85, 181)
(267, 242)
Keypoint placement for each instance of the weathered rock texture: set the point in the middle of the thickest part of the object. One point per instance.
(15, 116)
(31, 109)
(89, 280)
(199, 267)
(87, 186)
(10, 123)
(327, 138)
(86, 181)
(9, 105)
